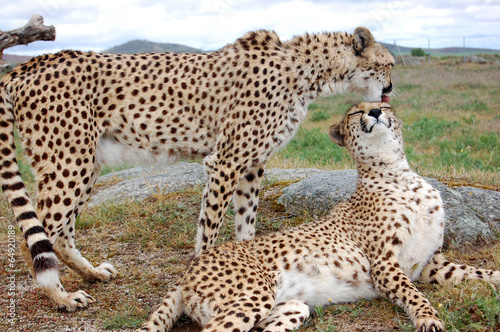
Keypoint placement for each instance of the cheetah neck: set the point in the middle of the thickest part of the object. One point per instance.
(319, 64)
(387, 169)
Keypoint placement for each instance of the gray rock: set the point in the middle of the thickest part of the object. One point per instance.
(475, 59)
(471, 213)
(318, 194)
(141, 182)
(282, 174)
(463, 224)
(485, 203)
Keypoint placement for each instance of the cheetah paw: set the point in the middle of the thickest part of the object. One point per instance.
(75, 301)
(430, 325)
(105, 272)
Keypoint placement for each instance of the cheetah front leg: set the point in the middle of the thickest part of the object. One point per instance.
(440, 271)
(246, 199)
(392, 282)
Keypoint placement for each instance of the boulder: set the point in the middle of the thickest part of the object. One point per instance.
(471, 213)
(475, 59)
(141, 182)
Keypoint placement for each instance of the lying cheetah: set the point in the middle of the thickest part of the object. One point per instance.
(385, 235)
(236, 106)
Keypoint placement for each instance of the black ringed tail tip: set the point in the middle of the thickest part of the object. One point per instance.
(41, 247)
(43, 263)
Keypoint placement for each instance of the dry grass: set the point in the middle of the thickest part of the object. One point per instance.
(150, 242)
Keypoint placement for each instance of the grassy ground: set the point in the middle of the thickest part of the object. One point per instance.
(452, 128)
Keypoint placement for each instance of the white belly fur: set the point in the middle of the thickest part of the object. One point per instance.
(111, 152)
(321, 289)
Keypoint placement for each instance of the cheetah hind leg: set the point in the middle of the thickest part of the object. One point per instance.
(239, 315)
(64, 246)
(67, 251)
(440, 271)
(105, 271)
(167, 313)
(285, 316)
(246, 199)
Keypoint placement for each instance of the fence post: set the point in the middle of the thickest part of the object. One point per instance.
(464, 50)
(429, 48)
(401, 55)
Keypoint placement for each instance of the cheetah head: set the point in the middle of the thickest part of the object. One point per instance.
(371, 132)
(372, 74)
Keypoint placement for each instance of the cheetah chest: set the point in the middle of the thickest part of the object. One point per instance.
(420, 210)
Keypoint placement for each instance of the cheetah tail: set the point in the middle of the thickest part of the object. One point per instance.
(44, 260)
(167, 313)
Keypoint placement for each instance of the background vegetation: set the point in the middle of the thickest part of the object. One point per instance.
(451, 129)
(417, 52)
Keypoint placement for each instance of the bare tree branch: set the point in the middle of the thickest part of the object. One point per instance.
(32, 31)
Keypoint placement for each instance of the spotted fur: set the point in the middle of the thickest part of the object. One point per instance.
(387, 234)
(236, 106)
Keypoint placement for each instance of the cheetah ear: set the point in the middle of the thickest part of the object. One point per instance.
(363, 38)
(335, 134)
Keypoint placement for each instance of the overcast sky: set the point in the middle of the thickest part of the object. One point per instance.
(211, 24)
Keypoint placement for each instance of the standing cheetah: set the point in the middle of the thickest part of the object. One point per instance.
(388, 233)
(236, 106)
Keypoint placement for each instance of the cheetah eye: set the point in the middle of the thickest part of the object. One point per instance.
(358, 112)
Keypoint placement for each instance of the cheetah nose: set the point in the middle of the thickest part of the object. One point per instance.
(375, 112)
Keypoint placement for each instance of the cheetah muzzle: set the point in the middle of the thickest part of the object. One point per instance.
(235, 107)
(386, 235)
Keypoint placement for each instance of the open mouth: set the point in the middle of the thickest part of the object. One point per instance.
(385, 93)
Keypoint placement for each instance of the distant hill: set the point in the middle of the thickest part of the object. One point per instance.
(144, 46)
(15, 59)
(439, 52)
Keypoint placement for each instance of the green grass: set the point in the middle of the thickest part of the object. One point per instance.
(478, 309)
(24, 166)
(315, 147)
(129, 317)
